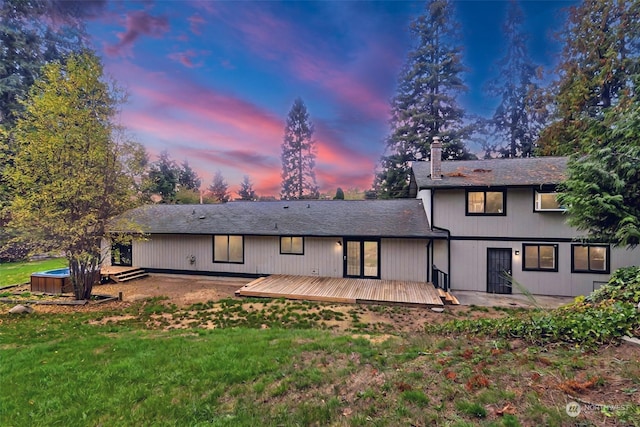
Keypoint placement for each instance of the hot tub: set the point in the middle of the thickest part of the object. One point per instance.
(52, 281)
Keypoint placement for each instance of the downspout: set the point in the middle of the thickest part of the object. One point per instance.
(434, 227)
(429, 260)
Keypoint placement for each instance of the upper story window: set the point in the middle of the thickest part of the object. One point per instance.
(547, 202)
(486, 202)
(292, 245)
(540, 257)
(228, 248)
(590, 258)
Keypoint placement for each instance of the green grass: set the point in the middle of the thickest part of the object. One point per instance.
(15, 273)
(91, 368)
(63, 371)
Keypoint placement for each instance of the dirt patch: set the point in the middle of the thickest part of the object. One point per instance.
(181, 291)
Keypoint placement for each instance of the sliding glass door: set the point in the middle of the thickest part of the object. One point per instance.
(362, 258)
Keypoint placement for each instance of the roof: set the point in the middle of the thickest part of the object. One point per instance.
(364, 218)
(529, 172)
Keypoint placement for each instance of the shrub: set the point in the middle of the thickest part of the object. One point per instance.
(605, 316)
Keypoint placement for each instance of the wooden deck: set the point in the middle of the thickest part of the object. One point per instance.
(332, 289)
(122, 273)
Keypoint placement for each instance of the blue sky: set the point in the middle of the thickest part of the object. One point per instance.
(212, 82)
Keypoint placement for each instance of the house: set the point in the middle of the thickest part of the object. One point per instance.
(384, 239)
(502, 221)
(480, 225)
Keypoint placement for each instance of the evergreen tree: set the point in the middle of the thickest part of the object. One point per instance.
(298, 155)
(339, 194)
(602, 187)
(246, 191)
(68, 173)
(518, 120)
(163, 178)
(599, 59)
(219, 188)
(188, 178)
(425, 104)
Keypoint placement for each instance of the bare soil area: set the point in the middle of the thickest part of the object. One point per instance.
(182, 291)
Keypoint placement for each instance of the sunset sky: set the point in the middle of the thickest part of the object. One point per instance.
(212, 82)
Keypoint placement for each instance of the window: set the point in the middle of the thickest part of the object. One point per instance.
(590, 258)
(292, 245)
(486, 203)
(547, 201)
(227, 248)
(540, 257)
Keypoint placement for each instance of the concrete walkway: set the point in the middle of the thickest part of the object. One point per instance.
(517, 300)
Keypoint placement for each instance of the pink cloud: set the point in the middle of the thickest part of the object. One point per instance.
(213, 129)
(186, 58)
(195, 24)
(137, 24)
(275, 39)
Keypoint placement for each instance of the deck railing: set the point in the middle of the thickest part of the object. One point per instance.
(440, 279)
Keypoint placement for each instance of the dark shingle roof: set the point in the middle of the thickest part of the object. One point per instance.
(366, 218)
(533, 171)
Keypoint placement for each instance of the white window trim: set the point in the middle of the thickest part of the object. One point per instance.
(538, 202)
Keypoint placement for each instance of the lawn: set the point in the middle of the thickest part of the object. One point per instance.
(126, 367)
(14, 273)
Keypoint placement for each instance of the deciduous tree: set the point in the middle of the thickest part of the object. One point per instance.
(298, 155)
(425, 104)
(67, 171)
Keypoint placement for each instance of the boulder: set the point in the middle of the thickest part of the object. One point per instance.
(21, 309)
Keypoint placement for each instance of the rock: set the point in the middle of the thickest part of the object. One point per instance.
(437, 309)
(21, 309)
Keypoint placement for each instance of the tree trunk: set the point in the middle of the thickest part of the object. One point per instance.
(85, 272)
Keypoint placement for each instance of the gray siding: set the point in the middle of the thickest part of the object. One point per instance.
(401, 259)
(469, 269)
(520, 221)
(520, 225)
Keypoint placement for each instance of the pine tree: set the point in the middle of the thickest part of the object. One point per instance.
(298, 155)
(339, 194)
(246, 191)
(425, 104)
(188, 178)
(599, 59)
(219, 188)
(163, 178)
(518, 120)
(602, 186)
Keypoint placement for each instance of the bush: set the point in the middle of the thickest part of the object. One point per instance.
(605, 316)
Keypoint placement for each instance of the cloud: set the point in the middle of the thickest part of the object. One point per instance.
(215, 129)
(186, 57)
(342, 75)
(137, 24)
(195, 24)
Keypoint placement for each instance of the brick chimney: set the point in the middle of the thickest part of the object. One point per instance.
(436, 158)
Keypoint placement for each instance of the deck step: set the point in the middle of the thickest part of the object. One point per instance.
(447, 297)
(128, 275)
